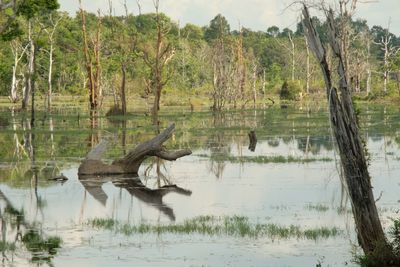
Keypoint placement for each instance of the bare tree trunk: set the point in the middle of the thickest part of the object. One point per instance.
(14, 82)
(93, 64)
(398, 81)
(293, 54)
(51, 61)
(346, 132)
(123, 96)
(264, 83)
(308, 67)
(49, 80)
(254, 84)
(29, 73)
(368, 67)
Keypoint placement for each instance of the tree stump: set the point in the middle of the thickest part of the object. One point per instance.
(253, 140)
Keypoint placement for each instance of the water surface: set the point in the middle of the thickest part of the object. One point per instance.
(293, 182)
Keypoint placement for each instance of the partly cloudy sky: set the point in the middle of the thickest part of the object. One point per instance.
(254, 14)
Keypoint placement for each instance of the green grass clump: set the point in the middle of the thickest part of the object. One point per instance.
(262, 159)
(237, 226)
(317, 207)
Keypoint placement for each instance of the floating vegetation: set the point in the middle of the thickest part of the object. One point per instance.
(317, 207)
(262, 159)
(237, 226)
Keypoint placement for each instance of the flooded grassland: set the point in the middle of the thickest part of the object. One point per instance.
(280, 205)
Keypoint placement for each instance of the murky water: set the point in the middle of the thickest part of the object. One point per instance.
(295, 182)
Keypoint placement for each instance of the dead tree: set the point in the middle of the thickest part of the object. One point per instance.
(254, 84)
(292, 50)
(223, 71)
(50, 34)
(239, 72)
(389, 52)
(92, 61)
(158, 59)
(308, 74)
(15, 48)
(130, 163)
(28, 86)
(348, 141)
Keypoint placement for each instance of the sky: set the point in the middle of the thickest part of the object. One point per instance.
(253, 14)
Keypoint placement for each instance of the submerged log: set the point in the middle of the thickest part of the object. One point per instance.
(129, 164)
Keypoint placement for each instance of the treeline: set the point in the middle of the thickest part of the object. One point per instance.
(149, 55)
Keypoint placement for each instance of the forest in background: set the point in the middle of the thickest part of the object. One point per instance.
(149, 53)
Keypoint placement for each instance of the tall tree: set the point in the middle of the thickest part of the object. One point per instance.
(351, 150)
(92, 60)
(218, 28)
(50, 31)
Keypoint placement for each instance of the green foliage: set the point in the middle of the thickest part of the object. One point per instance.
(395, 234)
(218, 28)
(31, 8)
(290, 90)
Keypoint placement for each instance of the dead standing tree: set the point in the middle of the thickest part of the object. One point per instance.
(16, 47)
(50, 33)
(130, 163)
(157, 59)
(389, 52)
(92, 61)
(352, 154)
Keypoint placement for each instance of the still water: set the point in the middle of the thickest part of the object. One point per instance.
(290, 179)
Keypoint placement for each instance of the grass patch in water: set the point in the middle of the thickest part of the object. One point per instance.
(317, 207)
(237, 226)
(262, 159)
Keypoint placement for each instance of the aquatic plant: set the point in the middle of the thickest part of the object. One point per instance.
(317, 207)
(261, 159)
(236, 226)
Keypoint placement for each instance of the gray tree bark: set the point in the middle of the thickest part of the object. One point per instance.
(130, 163)
(346, 132)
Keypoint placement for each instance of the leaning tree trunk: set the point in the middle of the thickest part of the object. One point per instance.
(346, 132)
(130, 164)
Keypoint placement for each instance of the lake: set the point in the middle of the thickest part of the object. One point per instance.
(280, 205)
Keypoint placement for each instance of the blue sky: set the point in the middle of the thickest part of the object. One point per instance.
(254, 14)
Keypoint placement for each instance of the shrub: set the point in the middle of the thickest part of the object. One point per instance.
(290, 90)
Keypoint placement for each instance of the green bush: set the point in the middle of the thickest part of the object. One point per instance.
(290, 90)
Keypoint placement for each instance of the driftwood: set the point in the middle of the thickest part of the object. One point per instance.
(92, 164)
(347, 135)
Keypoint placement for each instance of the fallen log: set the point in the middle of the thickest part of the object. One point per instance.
(130, 164)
